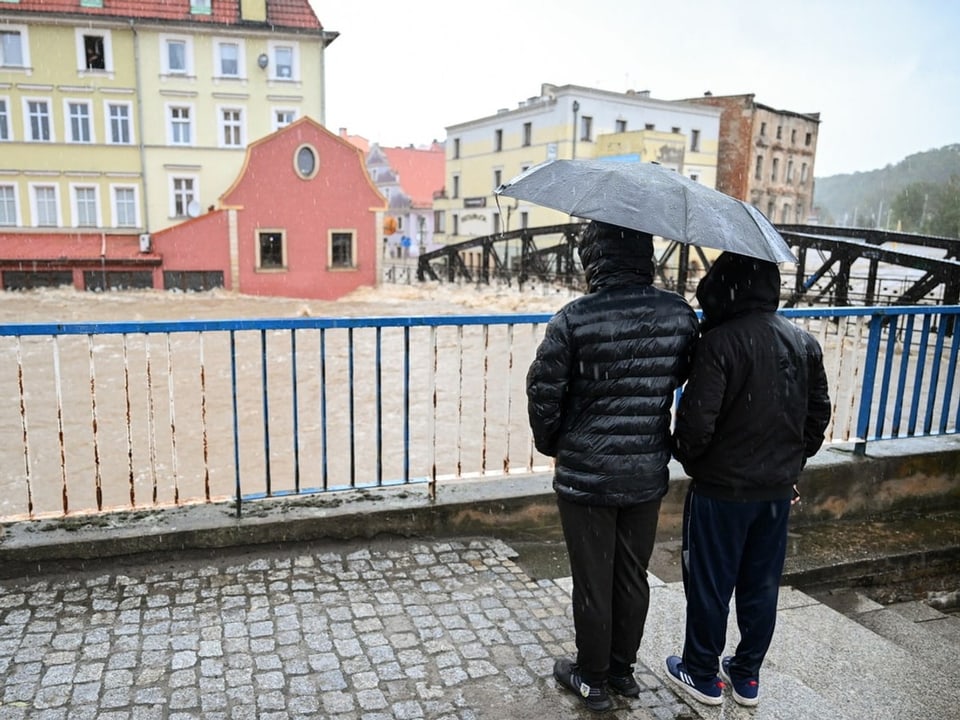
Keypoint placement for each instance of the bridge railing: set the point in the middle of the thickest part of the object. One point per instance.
(136, 415)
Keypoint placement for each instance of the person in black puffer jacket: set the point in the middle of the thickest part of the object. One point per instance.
(754, 409)
(600, 392)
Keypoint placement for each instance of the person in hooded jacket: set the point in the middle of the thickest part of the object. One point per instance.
(754, 409)
(600, 392)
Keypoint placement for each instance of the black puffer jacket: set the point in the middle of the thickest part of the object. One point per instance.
(756, 404)
(601, 387)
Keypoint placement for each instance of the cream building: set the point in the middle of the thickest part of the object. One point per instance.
(131, 120)
(564, 122)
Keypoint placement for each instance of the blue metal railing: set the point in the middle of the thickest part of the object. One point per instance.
(273, 407)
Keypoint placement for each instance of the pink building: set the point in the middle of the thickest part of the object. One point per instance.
(301, 220)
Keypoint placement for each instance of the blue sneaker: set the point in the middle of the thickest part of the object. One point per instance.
(709, 692)
(745, 691)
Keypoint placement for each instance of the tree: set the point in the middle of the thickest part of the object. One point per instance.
(909, 206)
(944, 211)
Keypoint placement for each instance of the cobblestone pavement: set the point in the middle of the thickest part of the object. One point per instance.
(395, 630)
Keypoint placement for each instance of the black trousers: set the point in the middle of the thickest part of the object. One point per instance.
(731, 547)
(609, 549)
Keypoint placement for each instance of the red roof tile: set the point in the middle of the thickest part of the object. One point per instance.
(420, 171)
(46, 248)
(294, 14)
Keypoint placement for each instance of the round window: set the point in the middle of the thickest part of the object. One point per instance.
(305, 162)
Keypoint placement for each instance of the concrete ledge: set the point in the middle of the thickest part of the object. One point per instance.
(894, 475)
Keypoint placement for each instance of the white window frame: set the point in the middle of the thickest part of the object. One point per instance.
(68, 121)
(24, 33)
(27, 125)
(114, 206)
(81, 49)
(275, 121)
(241, 73)
(75, 189)
(33, 187)
(108, 122)
(172, 194)
(16, 204)
(188, 69)
(8, 136)
(241, 125)
(294, 60)
(191, 124)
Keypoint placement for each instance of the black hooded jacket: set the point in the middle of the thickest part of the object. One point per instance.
(601, 386)
(756, 404)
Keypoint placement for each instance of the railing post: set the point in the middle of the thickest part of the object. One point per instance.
(869, 376)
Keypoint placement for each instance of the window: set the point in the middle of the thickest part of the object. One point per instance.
(456, 148)
(85, 212)
(455, 220)
(779, 132)
(228, 58)
(456, 187)
(180, 126)
(524, 219)
(118, 124)
(5, 119)
(675, 130)
(586, 128)
(341, 250)
(200, 7)
(763, 129)
(770, 207)
(758, 172)
(271, 250)
(183, 193)
(621, 126)
(439, 218)
(8, 206)
(91, 3)
(497, 140)
(231, 127)
(527, 134)
(177, 56)
(497, 178)
(694, 141)
(283, 62)
(78, 121)
(793, 136)
(125, 206)
(305, 162)
(800, 212)
(789, 171)
(776, 169)
(94, 49)
(13, 47)
(649, 126)
(38, 120)
(808, 139)
(45, 208)
(803, 174)
(785, 217)
(282, 118)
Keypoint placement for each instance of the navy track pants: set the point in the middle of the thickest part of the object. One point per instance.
(731, 546)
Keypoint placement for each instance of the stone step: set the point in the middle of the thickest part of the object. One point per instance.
(822, 664)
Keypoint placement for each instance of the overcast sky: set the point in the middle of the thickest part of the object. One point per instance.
(883, 74)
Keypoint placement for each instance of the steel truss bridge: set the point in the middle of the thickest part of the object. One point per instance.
(837, 265)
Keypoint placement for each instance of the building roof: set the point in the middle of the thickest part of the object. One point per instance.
(45, 248)
(291, 14)
(356, 140)
(420, 171)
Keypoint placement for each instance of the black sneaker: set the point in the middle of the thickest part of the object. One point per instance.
(625, 685)
(568, 674)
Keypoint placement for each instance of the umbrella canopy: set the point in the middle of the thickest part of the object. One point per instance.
(653, 199)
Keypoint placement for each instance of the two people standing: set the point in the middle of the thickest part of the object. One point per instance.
(755, 406)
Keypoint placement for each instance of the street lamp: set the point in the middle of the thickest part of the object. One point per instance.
(576, 109)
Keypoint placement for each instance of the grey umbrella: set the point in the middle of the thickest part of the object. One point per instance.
(650, 198)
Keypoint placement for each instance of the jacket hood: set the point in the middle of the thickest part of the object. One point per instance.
(613, 255)
(737, 284)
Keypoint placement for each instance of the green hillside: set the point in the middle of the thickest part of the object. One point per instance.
(864, 199)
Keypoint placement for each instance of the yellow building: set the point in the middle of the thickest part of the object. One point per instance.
(125, 117)
(564, 122)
